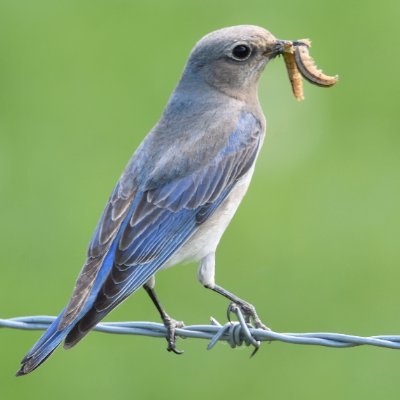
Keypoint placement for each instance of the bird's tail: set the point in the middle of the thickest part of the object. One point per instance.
(44, 347)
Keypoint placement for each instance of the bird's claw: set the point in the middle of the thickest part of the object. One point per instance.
(171, 326)
(249, 313)
(246, 313)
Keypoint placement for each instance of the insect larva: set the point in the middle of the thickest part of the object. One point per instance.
(294, 74)
(307, 67)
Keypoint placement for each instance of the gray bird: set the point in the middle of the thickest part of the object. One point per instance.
(180, 189)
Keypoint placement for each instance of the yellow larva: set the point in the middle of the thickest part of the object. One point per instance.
(294, 75)
(307, 67)
(300, 64)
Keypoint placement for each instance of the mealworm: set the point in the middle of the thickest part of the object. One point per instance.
(294, 76)
(308, 69)
(293, 72)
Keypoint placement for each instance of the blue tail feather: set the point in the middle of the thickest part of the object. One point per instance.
(44, 347)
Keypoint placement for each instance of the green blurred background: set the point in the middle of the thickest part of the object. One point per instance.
(314, 245)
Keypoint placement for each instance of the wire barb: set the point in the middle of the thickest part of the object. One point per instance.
(235, 333)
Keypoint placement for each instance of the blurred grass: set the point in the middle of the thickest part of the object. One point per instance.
(314, 245)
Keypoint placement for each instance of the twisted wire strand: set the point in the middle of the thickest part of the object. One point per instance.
(236, 333)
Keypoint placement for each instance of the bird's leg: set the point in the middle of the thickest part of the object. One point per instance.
(169, 323)
(206, 276)
(248, 310)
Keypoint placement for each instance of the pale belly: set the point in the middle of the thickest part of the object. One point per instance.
(205, 240)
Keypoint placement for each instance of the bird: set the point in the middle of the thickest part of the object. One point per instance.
(179, 191)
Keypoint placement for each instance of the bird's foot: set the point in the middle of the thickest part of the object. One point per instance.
(171, 326)
(249, 313)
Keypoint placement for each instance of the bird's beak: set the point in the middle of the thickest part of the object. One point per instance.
(277, 48)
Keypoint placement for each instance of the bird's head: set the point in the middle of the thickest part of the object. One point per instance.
(232, 59)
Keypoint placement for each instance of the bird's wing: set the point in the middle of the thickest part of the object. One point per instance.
(107, 229)
(157, 222)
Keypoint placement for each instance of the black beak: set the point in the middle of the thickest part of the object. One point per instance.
(281, 45)
(277, 48)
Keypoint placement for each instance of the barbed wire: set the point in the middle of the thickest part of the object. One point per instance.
(236, 333)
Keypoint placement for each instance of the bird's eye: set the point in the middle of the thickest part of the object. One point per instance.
(241, 52)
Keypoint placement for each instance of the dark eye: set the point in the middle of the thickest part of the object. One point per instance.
(241, 52)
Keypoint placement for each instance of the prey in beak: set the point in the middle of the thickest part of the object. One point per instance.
(300, 64)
